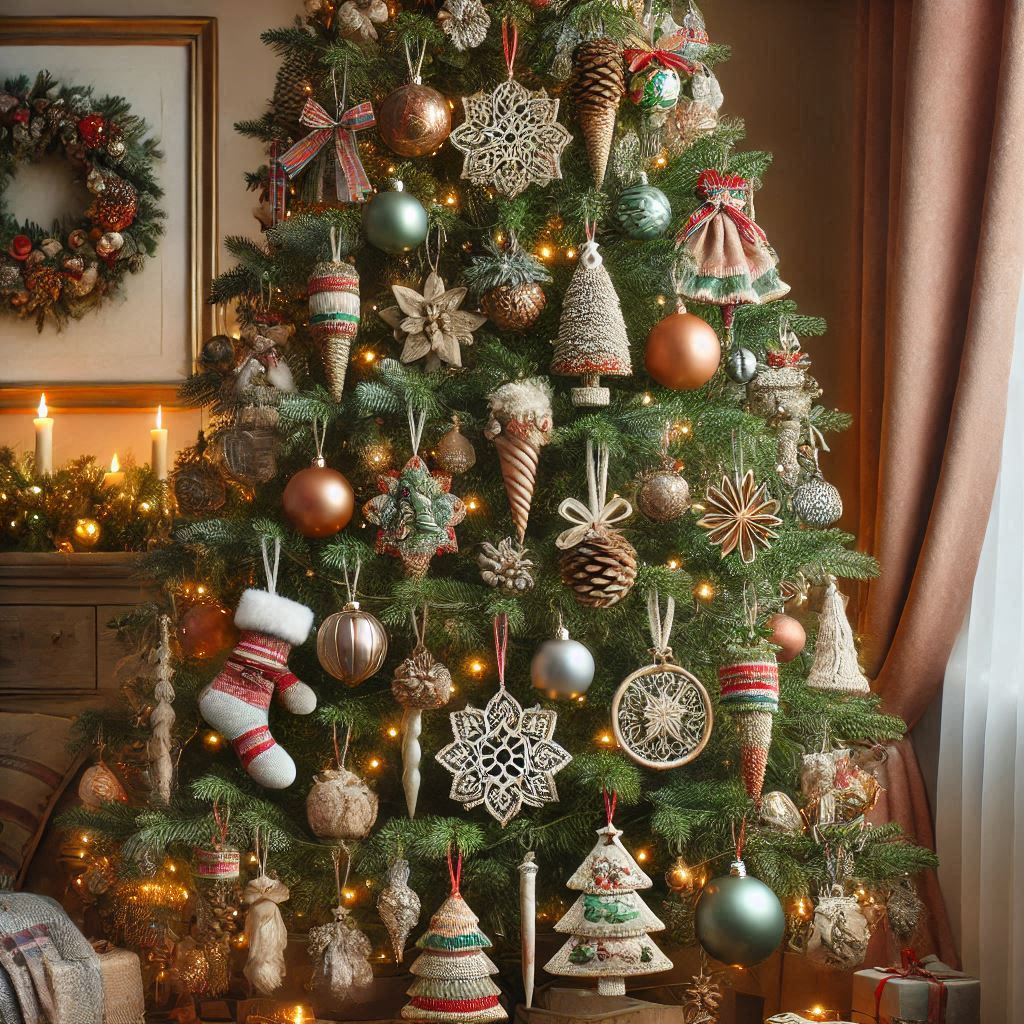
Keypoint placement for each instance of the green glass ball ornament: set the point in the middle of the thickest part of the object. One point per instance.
(655, 88)
(739, 920)
(643, 211)
(562, 668)
(741, 365)
(395, 222)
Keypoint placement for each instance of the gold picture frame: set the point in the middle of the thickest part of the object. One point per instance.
(198, 36)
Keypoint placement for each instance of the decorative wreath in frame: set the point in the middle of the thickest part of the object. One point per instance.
(61, 273)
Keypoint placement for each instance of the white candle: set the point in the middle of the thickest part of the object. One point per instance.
(44, 439)
(158, 436)
(115, 478)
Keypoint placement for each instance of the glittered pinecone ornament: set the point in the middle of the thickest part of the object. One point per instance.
(333, 290)
(597, 562)
(454, 453)
(505, 566)
(903, 910)
(749, 689)
(464, 22)
(398, 906)
(598, 84)
(835, 666)
(116, 206)
(508, 281)
(520, 425)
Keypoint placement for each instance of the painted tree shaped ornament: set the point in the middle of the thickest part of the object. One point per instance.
(503, 756)
(453, 973)
(661, 714)
(415, 511)
(609, 925)
(592, 338)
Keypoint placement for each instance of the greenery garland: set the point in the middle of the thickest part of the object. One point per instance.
(71, 268)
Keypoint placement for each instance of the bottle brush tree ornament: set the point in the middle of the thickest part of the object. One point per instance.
(520, 424)
(597, 85)
(609, 924)
(237, 701)
(333, 290)
(592, 338)
(835, 666)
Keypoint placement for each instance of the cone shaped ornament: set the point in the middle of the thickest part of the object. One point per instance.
(598, 85)
(592, 336)
(520, 424)
(750, 690)
(835, 666)
(609, 924)
(334, 314)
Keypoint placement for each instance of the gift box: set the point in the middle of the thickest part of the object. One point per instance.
(556, 1005)
(919, 990)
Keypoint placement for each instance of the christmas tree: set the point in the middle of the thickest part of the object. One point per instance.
(383, 483)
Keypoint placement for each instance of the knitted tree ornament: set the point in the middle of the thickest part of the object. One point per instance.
(750, 690)
(835, 666)
(236, 703)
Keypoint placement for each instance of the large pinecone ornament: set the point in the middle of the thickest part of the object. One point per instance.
(291, 90)
(601, 569)
(598, 85)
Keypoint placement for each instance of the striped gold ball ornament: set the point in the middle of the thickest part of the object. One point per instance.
(351, 644)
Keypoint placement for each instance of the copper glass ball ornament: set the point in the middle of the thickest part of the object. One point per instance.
(351, 644)
(414, 120)
(318, 501)
(787, 634)
(682, 352)
(662, 495)
(205, 630)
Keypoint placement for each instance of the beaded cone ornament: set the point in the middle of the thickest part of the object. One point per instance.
(835, 666)
(749, 689)
(609, 925)
(597, 562)
(592, 339)
(333, 290)
(453, 973)
(503, 756)
(661, 714)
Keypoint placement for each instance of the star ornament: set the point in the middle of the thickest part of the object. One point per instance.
(511, 138)
(741, 516)
(432, 324)
(503, 757)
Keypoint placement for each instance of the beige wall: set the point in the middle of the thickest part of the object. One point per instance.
(790, 79)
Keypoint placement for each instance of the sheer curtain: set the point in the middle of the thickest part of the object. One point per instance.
(980, 796)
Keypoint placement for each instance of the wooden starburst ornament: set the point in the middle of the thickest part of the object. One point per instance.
(740, 516)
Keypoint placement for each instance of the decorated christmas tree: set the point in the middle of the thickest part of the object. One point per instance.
(510, 495)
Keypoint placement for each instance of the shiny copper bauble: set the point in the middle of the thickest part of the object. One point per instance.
(682, 352)
(205, 630)
(414, 120)
(351, 644)
(787, 634)
(318, 501)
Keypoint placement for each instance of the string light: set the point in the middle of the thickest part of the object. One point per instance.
(570, 253)
(476, 667)
(545, 252)
(642, 856)
(348, 895)
(392, 732)
(646, 398)
(374, 763)
(472, 504)
(661, 300)
(212, 740)
(451, 199)
(704, 591)
(674, 563)
(606, 739)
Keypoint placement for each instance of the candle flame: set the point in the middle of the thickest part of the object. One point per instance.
(159, 416)
(42, 410)
(115, 464)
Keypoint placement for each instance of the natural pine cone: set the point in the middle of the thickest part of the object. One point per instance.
(599, 76)
(421, 681)
(291, 90)
(505, 566)
(44, 285)
(601, 569)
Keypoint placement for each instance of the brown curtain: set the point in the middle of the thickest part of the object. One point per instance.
(942, 247)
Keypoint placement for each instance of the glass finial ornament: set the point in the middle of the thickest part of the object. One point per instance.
(414, 119)
(503, 757)
(661, 714)
(395, 221)
(510, 136)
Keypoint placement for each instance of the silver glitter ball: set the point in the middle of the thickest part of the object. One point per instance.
(562, 668)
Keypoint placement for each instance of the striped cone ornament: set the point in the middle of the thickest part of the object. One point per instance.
(750, 690)
(333, 290)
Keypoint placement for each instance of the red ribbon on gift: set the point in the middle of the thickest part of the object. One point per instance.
(351, 181)
(638, 58)
(723, 193)
(912, 967)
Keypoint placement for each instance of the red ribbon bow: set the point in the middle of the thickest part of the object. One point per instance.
(638, 58)
(912, 967)
(723, 193)
(778, 359)
(351, 181)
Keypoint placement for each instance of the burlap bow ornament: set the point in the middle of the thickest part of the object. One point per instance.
(599, 514)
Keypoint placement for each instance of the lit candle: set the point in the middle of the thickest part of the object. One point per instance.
(115, 478)
(44, 439)
(158, 436)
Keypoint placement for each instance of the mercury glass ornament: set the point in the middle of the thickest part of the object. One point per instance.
(738, 919)
(817, 502)
(643, 212)
(741, 365)
(662, 496)
(395, 222)
(562, 667)
(414, 119)
(455, 453)
(351, 644)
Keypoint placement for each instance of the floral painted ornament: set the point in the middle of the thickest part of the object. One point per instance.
(503, 756)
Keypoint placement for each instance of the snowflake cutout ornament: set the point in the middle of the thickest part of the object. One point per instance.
(511, 138)
(503, 756)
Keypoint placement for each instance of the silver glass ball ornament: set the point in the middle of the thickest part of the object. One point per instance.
(643, 212)
(741, 365)
(817, 502)
(395, 222)
(739, 920)
(562, 668)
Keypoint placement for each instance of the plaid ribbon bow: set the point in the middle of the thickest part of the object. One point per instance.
(351, 181)
(726, 193)
(912, 967)
(638, 58)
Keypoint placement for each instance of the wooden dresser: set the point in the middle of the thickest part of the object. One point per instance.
(57, 653)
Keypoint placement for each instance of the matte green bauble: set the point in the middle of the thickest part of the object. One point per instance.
(395, 221)
(655, 88)
(643, 212)
(741, 365)
(739, 920)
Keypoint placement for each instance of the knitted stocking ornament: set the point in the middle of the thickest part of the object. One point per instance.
(236, 703)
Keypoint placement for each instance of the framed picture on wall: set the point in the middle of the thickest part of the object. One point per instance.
(135, 346)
